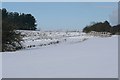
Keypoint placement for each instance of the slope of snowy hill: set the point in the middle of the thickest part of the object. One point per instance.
(38, 38)
(94, 58)
(0, 65)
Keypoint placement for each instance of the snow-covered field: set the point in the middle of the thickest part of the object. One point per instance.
(33, 39)
(0, 65)
(63, 55)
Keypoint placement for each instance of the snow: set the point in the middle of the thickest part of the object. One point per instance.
(0, 65)
(38, 38)
(95, 57)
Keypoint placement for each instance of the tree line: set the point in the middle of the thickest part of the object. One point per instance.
(102, 27)
(21, 21)
(11, 22)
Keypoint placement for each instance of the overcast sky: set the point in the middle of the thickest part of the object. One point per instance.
(59, 15)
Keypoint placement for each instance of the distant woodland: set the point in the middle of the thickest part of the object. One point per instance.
(102, 27)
